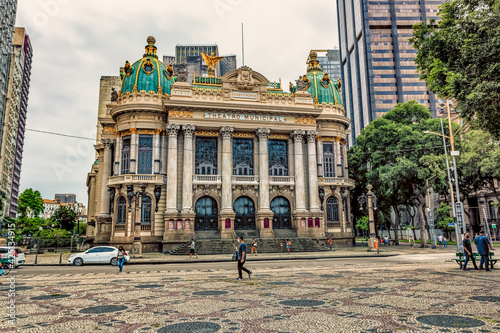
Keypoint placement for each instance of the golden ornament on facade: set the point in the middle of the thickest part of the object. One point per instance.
(243, 135)
(126, 132)
(279, 136)
(148, 67)
(109, 129)
(133, 130)
(146, 131)
(127, 69)
(305, 120)
(181, 114)
(158, 131)
(206, 133)
(328, 139)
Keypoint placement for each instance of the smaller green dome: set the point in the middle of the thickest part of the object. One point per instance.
(147, 75)
(320, 85)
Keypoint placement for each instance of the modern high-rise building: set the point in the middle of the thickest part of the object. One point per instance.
(184, 51)
(14, 120)
(8, 10)
(65, 197)
(377, 58)
(228, 64)
(330, 63)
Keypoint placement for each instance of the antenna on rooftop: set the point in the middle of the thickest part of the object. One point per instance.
(242, 46)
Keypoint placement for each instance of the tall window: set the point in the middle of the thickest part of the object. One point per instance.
(493, 210)
(278, 158)
(145, 155)
(146, 210)
(206, 156)
(332, 209)
(121, 211)
(243, 157)
(328, 160)
(342, 160)
(126, 155)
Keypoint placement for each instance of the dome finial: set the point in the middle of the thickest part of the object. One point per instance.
(151, 40)
(312, 61)
(151, 48)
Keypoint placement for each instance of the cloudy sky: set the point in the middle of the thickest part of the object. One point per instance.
(77, 42)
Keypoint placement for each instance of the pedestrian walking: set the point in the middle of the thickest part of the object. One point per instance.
(386, 240)
(120, 258)
(412, 243)
(191, 251)
(468, 252)
(254, 246)
(242, 251)
(330, 243)
(440, 241)
(483, 248)
(288, 244)
(445, 243)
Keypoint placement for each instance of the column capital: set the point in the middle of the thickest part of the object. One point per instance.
(173, 130)
(188, 130)
(226, 132)
(263, 133)
(107, 143)
(311, 136)
(297, 135)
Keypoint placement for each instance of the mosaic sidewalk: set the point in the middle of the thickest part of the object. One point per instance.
(403, 298)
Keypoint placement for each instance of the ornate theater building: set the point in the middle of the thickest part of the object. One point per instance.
(219, 156)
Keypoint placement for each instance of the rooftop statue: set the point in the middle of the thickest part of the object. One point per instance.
(114, 95)
(211, 61)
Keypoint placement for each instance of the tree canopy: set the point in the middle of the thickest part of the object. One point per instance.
(65, 217)
(30, 203)
(459, 58)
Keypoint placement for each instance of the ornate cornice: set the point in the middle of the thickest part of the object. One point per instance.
(181, 114)
(188, 130)
(263, 133)
(226, 131)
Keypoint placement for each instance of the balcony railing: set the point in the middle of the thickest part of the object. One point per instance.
(145, 227)
(137, 179)
(281, 180)
(207, 179)
(119, 227)
(245, 180)
(339, 181)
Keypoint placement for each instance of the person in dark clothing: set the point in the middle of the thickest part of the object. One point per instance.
(242, 250)
(483, 248)
(468, 253)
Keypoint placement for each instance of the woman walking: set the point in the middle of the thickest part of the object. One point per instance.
(120, 258)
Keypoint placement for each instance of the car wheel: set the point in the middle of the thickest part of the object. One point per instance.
(78, 262)
(113, 262)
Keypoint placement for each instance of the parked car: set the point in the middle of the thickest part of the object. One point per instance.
(18, 254)
(96, 255)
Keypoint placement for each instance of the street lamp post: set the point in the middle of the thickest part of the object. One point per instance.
(135, 198)
(39, 236)
(486, 225)
(431, 219)
(371, 200)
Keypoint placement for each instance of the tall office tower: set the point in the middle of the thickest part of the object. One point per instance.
(14, 120)
(21, 41)
(65, 198)
(378, 59)
(331, 64)
(8, 10)
(183, 51)
(227, 64)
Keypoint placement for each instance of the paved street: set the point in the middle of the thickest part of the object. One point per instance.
(407, 293)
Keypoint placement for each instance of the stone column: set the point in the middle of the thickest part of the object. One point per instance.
(106, 172)
(319, 147)
(118, 156)
(338, 166)
(187, 184)
(263, 134)
(227, 169)
(313, 171)
(156, 151)
(134, 143)
(345, 170)
(172, 130)
(300, 199)
(164, 154)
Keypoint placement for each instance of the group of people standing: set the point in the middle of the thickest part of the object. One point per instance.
(483, 246)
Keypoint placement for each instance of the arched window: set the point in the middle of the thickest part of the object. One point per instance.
(328, 160)
(146, 210)
(493, 210)
(332, 209)
(121, 211)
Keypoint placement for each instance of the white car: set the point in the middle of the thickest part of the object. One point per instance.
(17, 254)
(96, 255)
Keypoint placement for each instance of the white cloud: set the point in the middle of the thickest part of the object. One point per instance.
(77, 42)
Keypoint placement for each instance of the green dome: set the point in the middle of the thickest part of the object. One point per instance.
(321, 86)
(147, 75)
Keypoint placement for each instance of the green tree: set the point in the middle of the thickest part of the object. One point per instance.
(30, 203)
(443, 217)
(459, 58)
(363, 223)
(65, 217)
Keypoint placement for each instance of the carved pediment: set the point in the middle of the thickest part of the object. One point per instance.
(244, 78)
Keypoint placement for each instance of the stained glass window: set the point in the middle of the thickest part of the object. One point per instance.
(278, 158)
(332, 209)
(206, 156)
(121, 211)
(126, 155)
(146, 210)
(328, 160)
(145, 155)
(243, 157)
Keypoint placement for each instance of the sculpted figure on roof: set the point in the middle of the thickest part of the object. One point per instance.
(245, 80)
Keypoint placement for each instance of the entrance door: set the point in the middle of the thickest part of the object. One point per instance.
(245, 214)
(282, 218)
(206, 214)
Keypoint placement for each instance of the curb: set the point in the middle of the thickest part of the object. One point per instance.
(163, 262)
